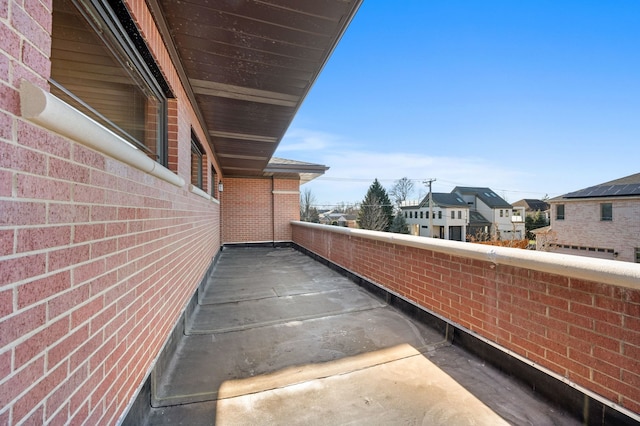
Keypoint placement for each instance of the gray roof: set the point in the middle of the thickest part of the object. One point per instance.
(532, 204)
(444, 199)
(624, 187)
(476, 219)
(284, 167)
(487, 196)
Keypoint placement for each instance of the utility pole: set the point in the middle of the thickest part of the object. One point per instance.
(429, 182)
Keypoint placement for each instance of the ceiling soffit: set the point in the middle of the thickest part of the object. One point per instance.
(247, 66)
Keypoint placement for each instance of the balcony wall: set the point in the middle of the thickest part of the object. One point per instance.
(259, 210)
(576, 319)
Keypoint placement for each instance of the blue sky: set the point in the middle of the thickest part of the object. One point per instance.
(530, 98)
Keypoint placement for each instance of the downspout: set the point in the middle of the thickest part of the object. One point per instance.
(273, 211)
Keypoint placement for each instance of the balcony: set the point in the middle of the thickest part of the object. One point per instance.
(348, 326)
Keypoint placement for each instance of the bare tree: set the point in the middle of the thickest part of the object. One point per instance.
(401, 190)
(308, 213)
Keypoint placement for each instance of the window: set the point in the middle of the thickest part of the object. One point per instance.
(214, 183)
(453, 214)
(440, 214)
(459, 214)
(560, 212)
(426, 215)
(101, 66)
(606, 212)
(501, 213)
(637, 254)
(197, 154)
(421, 215)
(405, 215)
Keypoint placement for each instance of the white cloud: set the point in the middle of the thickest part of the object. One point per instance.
(352, 170)
(302, 140)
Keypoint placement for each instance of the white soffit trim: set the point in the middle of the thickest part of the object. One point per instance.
(43, 108)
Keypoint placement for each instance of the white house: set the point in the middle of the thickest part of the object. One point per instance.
(449, 217)
(490, 215)
(533, 207)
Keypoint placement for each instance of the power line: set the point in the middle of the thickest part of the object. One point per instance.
(422, 180)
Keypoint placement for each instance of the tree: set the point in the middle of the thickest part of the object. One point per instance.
(399, 224)
(376, 211)
(535, 221)
(308, 213)
(401, 190)
(372, 215)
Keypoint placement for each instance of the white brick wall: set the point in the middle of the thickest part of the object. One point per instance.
(582, 227)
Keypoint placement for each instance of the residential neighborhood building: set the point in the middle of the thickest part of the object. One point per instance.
(600, 221)
(533, 207)
(466, 213)
(136, 139)
(490, 215)
(136, 150)
(449, 217)
(332, 217)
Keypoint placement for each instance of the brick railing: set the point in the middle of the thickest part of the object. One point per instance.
(575, 318)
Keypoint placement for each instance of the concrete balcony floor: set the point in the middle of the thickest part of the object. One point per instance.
(278, 338)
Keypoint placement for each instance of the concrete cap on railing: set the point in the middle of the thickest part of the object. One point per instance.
(623, 274)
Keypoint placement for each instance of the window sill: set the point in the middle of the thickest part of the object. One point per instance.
(43, 108)
(194, 189)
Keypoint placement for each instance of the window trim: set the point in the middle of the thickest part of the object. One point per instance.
(604, 218)
(45, 109)
(126, 44)
(196, 150)
(558, 215)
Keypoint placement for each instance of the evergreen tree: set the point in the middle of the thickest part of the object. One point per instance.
(535, 221)
(399, 224)
(376, 211)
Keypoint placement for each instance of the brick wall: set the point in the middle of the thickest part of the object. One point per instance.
(582, 227)
(287, 206)
(97, 259)
(585, 331)
(259, 209)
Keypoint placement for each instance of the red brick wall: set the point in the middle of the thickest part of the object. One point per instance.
(287, 206)
(586, 331)
(259, 209)
(97, 259)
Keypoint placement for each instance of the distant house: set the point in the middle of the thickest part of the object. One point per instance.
(490, 216)
(533, 207)
(600, 221)
(466, 211)
(449, 217)
(338, 218)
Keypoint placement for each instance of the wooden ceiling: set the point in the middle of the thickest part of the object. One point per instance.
(248, 65)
